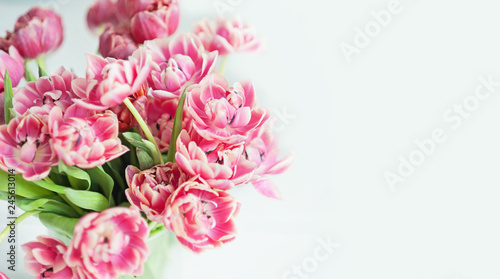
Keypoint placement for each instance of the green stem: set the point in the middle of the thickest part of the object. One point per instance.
(18, 220)
(223, 64)
(143, 125)
(176, 130)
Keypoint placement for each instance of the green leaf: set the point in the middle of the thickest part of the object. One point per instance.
(9, 95)
(176, 130)
(145, 160)
(145, 145)
(87, 199)
(47, 205)
(105, 181)
(50, 186)
(60, 224)
(78, 178)
(41, 66)
(23, 188)
(28, 75)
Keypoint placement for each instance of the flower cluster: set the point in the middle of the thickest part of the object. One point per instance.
(151, 138)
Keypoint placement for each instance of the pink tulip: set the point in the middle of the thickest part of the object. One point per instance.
(85, 142)
(116, 44)
(149, 189)
(26, 147)
(221, 166)
(224, 113)
(3, 276)
(126, 120)
(42, 95)
(110, 81)
(182, 61)
(227, 36)
(160, 20)
(12, 62)
(200, 216)
(109, 244)
(160, 119)
(101, 13)
(44, 258)
(261, 148)
(38, 32)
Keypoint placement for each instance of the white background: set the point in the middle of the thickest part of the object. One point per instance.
(351, 123)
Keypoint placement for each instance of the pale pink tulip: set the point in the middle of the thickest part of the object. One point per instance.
(44, 258)
(201, 217)
(109, 244)
(110, 81)
(160, 20)
(262, 148)
(220, 165)
(227, 36)
(26, 147)
(85, 142)
(42, 95)
(149, 189)
(37, 32)
(12, 62)
(116, 44)
(224, 113)
(182, 60)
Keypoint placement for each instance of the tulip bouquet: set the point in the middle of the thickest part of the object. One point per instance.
(151, 140)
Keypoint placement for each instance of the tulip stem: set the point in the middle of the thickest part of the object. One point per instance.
(223, 64)
(143, 126)
(15, 222)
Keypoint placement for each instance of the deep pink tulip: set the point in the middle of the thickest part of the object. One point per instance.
(182, 61)
(160, 20)
(3, 276)
(227, 36)
(44, 258)
(116, 44)
(109, 244)
(42, 95)
(262, 148)
(26, 147)
(38, 32)
(220, 165)
(85, 142)
(149, 189)
(110, 81)
(12, 62)
(224, 113)
(201, 217)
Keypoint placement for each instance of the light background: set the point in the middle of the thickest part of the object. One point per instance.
(351, 122)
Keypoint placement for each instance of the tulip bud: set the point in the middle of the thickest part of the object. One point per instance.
(38, 32)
